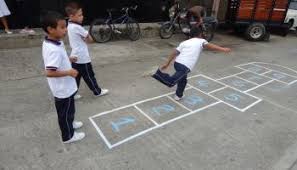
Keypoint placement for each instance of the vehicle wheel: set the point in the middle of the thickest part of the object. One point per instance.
(133, 29)
(255, 32)
(100, 31)
(166, 30)
(291, 23)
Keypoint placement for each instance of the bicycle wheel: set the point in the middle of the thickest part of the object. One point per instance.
(166, 30)
(100, 31)
(133, 29)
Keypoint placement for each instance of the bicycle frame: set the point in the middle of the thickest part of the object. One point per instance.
(123, 19)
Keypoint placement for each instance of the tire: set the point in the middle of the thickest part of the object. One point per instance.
(291, 23)
(208, 32)
(166, 30)
(133, 29)
(255, 32)
(100, 30)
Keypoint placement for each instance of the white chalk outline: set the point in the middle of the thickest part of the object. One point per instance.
(270, 70)
(217, 82)
(110, 146)
(242, 110)
(146, 115)
(256, 75)
(255, 63)
(100, 133)
(157, 125)
(295, 79)
(163, 124)
(262, 74)
(241, 67)
(235, 76)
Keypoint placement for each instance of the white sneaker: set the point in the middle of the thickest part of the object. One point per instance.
(77, 136)
(77, 96)
(103, 92)
(177, 98)
(77, 124)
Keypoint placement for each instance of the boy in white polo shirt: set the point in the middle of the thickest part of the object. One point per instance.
(185, 56)
(78, 38)
(60, 76)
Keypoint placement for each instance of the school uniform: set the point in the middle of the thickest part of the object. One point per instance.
(4, 11)
(63, 88)
(77, 34)
(189, 52)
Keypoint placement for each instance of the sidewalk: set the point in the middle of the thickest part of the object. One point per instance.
(17, 40)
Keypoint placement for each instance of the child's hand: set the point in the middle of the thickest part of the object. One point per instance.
(227, 50)
(73, 59)
(73, 73)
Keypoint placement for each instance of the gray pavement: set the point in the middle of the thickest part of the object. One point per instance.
(219, 137)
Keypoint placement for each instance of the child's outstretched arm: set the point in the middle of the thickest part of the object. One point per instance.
(216, 48)
(171, 57)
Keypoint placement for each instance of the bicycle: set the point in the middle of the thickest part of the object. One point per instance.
(185, 22)
(102, 30)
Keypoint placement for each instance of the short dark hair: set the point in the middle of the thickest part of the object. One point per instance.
(50, 19)
(195, 31)
(71, 8)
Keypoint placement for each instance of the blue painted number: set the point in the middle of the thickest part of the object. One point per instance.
(163, 108)
(123, 121)
(233, 97)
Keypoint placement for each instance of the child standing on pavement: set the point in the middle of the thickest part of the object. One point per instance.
(78, 39)
(185, 57)
(60, 76)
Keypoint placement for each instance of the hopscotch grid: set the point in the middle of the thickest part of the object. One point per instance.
(101, 134)
(110, 146)
(273, 77)
(191, 77)
(146, 115)
(219, 89)
(255, 82)
(268, 82)
(169, 97)
(247, 80)
(222, 78)
(256, 63)
(265, 75)
(276, 71)
(241, 67)
(136, 103)
(290, 76)
(231, 88)
(163, 124)
(235, 88)
(241, 110)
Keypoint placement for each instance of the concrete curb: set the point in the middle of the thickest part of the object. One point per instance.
(26, 41)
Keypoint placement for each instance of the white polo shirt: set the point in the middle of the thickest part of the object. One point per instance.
(55, 58)
(77, 34)
(190, 51)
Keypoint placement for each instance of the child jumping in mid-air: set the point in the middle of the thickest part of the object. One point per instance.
(78, 39)
(185, 57)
